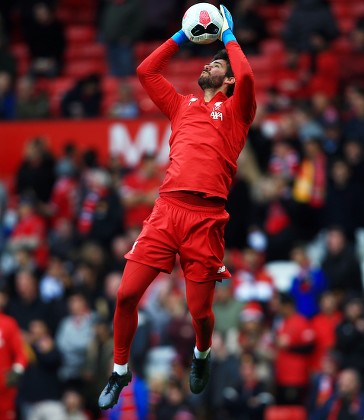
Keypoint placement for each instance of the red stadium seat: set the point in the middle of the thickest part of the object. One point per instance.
(79, 34)
(81, 68)
(110, 84)
(85, 51)
(277, 412)
(272, 46)
(275, 27)
(143, 49)
(56, 89)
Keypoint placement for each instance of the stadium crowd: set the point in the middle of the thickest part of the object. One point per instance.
(289, 324)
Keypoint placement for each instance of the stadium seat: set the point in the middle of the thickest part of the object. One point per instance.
(79, 34)
(143, 49)
(85, 51)
(272, 46)
(81, 68)
(56, 89)
(276, 412)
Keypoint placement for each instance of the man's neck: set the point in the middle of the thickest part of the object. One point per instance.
(210, 93)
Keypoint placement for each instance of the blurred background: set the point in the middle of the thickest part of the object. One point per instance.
(82, 153)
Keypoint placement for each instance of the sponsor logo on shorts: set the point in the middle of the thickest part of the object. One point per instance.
(221, 269)
(133, 247)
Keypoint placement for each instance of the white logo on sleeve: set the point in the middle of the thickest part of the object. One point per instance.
(221, 269)
(133, 247)
(192, 100)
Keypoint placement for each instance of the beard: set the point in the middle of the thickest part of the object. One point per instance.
(206, 81)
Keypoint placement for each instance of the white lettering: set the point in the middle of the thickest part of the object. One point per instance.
(216, 115)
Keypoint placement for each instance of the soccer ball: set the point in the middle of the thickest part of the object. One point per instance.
(202, 23)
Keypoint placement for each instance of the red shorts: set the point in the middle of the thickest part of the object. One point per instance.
(194, 232)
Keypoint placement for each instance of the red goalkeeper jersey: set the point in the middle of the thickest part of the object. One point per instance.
(207, 137)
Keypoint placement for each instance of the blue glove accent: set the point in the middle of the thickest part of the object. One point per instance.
(179, 37)
(228, 18)
(228, 36)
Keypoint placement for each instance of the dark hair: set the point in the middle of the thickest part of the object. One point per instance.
(223, 55)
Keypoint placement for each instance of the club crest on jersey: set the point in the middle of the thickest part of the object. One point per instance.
(216, 113)
(192, 100)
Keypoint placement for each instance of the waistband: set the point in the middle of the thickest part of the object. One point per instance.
(195, 199)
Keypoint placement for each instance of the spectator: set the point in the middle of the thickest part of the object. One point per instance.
(249, 395)
(353, 152)
(126, 106)
(309, 188)
(7, 60)
(249, 27)
(84, 99)
(7, 97)
(224, 376)
(44, 36)
(284, 160)
(341, 265)
(3, 206)
(100, 215)
(73, 405)
(139, 190)
(226, 309)
(27, 306)
(294, 341)
(354, 127)
(308, 285)
(252, 281)
(35, 174)
(73, 337)
(324, 326)
(98, 363)
(30, 232)
(122, 23)
(348, 402)
(350, 336)
(30, 103)
(308, 17)
(323, 384)
(13, 360)
(344, 200)
(40, 389)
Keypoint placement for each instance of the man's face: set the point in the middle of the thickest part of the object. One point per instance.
(213, 75)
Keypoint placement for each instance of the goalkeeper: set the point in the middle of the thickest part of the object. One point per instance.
(189, 217)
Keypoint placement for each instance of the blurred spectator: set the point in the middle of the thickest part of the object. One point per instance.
(13, 360)
(173, 402)
(306, 18)
(353, 152)
(354, 127)
(3, 206)
(284, 160)
(308, 285)
(98, 363)
(35, 173)
(73, 337)
(73, 405)
(249, 27)
(84, 99)
(30, 103)
(341, 265)
(122, 23)
(323, 384)
(249, 397)
(294, 341)
(252, 281)
(256, 339)
(139, 190)
(350, 335)
(55, 281)
(162, 21)
(224, 376)
(7, 97)
(30, 232)
(309, 188)
(44, 35)
(7, 60)
(100, 216)
(348, 402)
(344, 200)
(226, 309)
(324, 326)
(40, 387)
(27, 306)
(125, 106)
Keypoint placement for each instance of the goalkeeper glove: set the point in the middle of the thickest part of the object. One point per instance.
(227, 26)
(179, 37)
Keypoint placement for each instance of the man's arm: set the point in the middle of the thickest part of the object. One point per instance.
(160, 90)
(243, 99)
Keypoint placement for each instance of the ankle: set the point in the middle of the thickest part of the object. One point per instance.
(120, 369)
